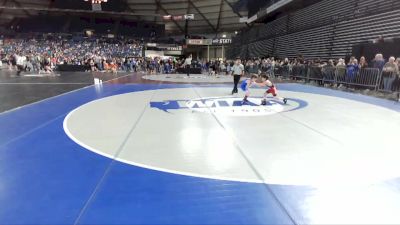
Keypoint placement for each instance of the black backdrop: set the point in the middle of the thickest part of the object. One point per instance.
(369, 50)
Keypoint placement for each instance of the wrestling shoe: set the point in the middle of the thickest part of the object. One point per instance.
(264, 102)
(245, 101)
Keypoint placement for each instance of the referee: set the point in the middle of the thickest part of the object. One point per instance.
(238, 72)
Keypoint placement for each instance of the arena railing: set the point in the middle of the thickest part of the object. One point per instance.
(329, 74)
(367, 78)
(388, 82)
(298, 72)
(282, 71)
(315, 73)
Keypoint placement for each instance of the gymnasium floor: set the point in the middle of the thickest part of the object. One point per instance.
(142, 151)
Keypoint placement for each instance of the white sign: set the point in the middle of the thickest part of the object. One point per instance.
(151, 44)
(176, 48)
(243, 19)
(199, 41)
(153, 54)
(174, 53)
(222, 41)
(252, 19)
(189, 17)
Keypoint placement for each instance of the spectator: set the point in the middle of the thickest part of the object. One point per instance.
(341, 70)
(380, 39)
(21, 60)
(228, 67)
(328, 65)
(398, 61)
(222, 67)
(352, 70)
(396, 82)
(379, 62)
(363, 63)
(341, 63)
(266, 66)
(92, 65)
(389, 74)
(328, 72)
(252, 68)
(285, 68)
(47, 65)
(300, 59)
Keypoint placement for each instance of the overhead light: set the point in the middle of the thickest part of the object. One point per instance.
(177, 18)
(167, 17)
(224, 35)
(236, 32)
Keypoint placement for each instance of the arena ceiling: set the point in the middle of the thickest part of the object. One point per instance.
(211, 16)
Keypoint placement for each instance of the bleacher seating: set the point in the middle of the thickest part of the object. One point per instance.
(293, 44)
(366, 28)
(277, 27)
(327, 29)
(320, 13)
(262, 48)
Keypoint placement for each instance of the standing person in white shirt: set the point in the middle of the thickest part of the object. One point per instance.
(20, 63)
(188, 63)
(237, 72)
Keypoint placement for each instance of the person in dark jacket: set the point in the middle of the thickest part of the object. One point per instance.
(352, 70)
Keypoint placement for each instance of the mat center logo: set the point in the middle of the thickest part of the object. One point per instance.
(228, 106)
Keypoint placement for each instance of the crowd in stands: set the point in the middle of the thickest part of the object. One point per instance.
(42, 55)
(100, 54)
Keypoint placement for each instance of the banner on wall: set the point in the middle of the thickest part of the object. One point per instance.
(173, 53)
(198, 41)
(153, 54)
(243, 19)
(164, 47)
(221, 41)
(189, 17)
(216, 41)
